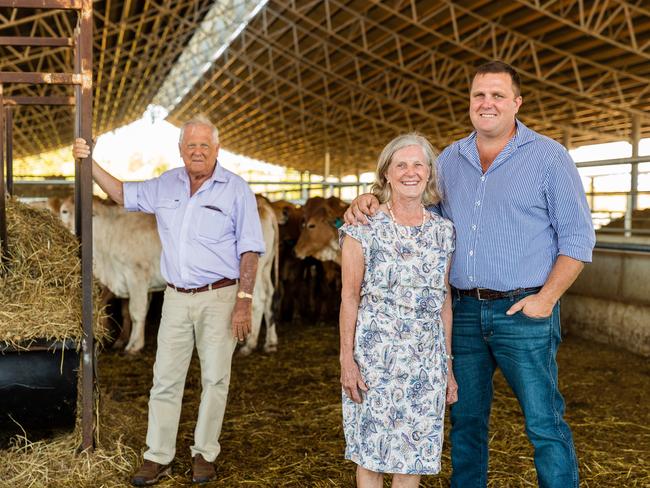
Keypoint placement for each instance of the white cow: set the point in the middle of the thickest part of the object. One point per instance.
(264, 286)
(126, 258)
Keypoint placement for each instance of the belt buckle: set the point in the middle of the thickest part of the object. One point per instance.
(478, 295)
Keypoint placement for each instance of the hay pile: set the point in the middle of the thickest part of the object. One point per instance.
(56, 463)
(40, 286)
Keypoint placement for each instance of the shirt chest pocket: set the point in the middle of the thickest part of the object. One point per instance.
(166, 210)
(214, 222)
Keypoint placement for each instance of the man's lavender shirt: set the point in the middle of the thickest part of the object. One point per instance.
(203, 236)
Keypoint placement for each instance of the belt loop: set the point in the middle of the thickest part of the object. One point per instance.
(210, 287)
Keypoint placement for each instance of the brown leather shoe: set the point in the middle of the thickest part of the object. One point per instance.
(202, 471)
(150, 473)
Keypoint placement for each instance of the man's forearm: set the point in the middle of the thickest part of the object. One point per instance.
(564, 273)
(113, 187)
(248, 271)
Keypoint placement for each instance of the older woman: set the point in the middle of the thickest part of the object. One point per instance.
(396, 323)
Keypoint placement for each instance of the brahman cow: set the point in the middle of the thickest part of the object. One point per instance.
(264, 285)
(126, 260)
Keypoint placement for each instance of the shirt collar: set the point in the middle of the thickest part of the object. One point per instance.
(220, 174)
(523, 135)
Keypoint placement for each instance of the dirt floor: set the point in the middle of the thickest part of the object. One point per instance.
(283, 426)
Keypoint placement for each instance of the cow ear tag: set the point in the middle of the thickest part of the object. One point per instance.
(338, 223)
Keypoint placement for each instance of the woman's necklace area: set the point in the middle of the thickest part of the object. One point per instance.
(398, 231)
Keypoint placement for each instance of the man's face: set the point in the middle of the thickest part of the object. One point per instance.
(493, 104)
(198, 150)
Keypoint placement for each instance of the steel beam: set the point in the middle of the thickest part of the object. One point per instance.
(40, 78)
(9, 128)
(35, 41)
(47, 4)
(46, 100)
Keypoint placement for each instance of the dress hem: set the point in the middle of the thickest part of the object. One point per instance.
(376, 469)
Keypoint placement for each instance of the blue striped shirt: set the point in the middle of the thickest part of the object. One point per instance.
(513, 221)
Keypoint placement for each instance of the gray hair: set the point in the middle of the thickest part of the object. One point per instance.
(200, 119)
(381, 189)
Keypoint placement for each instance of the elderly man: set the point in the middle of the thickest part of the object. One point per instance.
(523, 232)
(211, 239)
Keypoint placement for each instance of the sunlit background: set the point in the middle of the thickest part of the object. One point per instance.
(149, 146)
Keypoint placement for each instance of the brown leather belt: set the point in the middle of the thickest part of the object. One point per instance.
(487, 294)
(212, 286)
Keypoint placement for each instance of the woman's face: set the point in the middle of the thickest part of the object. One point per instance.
(408, 172)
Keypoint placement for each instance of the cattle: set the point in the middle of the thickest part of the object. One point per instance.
(319, 236)
(126, 260)
(319, 240)
(267, 268)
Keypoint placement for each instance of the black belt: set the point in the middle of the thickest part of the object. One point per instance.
(212, 286)
(487, 294)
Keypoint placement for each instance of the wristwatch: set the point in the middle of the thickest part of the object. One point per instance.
(243, 294)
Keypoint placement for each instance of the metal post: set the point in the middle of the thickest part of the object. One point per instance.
(566, 139)
(632, 200)
(9, 129)
(83, 197)
(634, 174)
(4, 248)
(592, 197)
(326, 172)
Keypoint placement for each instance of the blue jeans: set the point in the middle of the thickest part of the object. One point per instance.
(525, 349)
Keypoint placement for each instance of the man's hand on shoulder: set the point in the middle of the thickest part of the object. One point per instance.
(534, 306)
(363, 205)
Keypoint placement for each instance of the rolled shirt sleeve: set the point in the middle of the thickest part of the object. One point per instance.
(568, 209)
(248, 229)
(141, 196)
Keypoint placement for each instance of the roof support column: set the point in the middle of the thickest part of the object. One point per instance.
(3, 211)
(566, 138)
(9, 131)
(326, 173)
(632, 199)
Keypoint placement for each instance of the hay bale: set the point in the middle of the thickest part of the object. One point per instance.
(40, 286)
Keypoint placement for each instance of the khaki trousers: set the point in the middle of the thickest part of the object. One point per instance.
(202, 319)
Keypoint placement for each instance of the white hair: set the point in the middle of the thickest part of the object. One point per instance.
(200, 120)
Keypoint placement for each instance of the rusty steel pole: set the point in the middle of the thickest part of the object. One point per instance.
(83, 217)
(9, 130)
(4, 248)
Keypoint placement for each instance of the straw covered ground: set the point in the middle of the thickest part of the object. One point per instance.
(40, 283)
(283, 426)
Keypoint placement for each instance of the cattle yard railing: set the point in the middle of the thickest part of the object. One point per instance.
(81, 80)
(625, 200)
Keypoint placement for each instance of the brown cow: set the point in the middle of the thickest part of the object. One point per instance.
(319, 237)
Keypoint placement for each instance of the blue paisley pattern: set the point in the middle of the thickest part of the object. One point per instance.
(400, 347)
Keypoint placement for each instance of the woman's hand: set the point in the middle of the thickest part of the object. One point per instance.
(452, 386)
(351, 380)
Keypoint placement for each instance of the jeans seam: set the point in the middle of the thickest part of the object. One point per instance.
(556, 414)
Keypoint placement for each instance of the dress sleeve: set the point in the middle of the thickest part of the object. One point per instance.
(450, 237)
(357, 232)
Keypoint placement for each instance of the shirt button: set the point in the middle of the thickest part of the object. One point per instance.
(474, 227)
(471, 253)
(478, 202)
(471, 278)
(482, 178)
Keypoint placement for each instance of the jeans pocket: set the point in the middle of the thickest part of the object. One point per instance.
(540, 320)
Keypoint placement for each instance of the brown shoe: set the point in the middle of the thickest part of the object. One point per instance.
(150, 473)
(202, 471)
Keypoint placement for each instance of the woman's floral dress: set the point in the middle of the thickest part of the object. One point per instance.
(400, 347)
